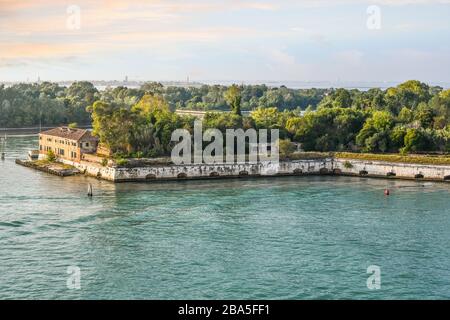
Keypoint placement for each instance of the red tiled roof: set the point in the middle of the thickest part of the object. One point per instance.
(69, 133)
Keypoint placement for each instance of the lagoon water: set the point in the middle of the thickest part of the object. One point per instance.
(277, 238)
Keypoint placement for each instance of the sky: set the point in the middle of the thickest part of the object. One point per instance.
(231, 40)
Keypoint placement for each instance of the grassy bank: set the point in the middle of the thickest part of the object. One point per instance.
(48, 164)
(55, 168)
(308, 156)
(397, 158)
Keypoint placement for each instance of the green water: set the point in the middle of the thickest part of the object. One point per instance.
(278, 238)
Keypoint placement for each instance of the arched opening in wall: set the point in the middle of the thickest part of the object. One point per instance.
(391, 174)
(337, 171)
(447, 178)
(150, 176)
(419, 176)
(363, 173)
(324, 171)
(243, 173)
(214, 174)
(99, 174)
(182, 176)
(298, 171)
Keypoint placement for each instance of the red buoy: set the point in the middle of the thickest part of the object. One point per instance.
(386, 192)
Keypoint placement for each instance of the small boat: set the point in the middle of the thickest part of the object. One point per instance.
(33, 155)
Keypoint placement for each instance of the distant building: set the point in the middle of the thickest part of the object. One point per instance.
(67, 143)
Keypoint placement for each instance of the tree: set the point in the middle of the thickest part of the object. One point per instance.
(266, 118)
(397, 137)
(342, 99)
(328, 129)
(286, 148)
(415, 140)
(222, 121)
(374, 136)
(405, 115)
(152, 88)
(233, 99)
(424, 115)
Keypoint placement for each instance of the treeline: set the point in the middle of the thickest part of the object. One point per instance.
(412, 117)
(208, 98)
(25, 105)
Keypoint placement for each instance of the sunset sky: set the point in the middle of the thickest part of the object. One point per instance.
(246, 40)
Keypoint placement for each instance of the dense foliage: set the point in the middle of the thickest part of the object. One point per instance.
(27, 105)
(412, 117)
(143, 130)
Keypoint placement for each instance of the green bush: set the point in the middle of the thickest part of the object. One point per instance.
(51, 156)
(286, 148)
(121, 162)
(348, 165)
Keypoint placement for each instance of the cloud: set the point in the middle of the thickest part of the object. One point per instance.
(321, 3)
(38, 30)
(350, 57)
(45, 50)
(267, 33)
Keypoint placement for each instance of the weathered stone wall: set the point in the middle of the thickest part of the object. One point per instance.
(93, 169)
(389, 169)
(298, 167)
(223, 170)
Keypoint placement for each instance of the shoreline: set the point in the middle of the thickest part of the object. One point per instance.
(56, 169)
(311, 167)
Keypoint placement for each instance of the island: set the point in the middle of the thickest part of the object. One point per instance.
(400, 132)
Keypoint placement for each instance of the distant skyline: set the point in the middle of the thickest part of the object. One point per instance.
(228, 40)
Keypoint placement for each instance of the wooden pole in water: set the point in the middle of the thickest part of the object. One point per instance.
(90, 193)
(4, 147)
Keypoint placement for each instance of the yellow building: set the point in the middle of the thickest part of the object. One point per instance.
(67, 143)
